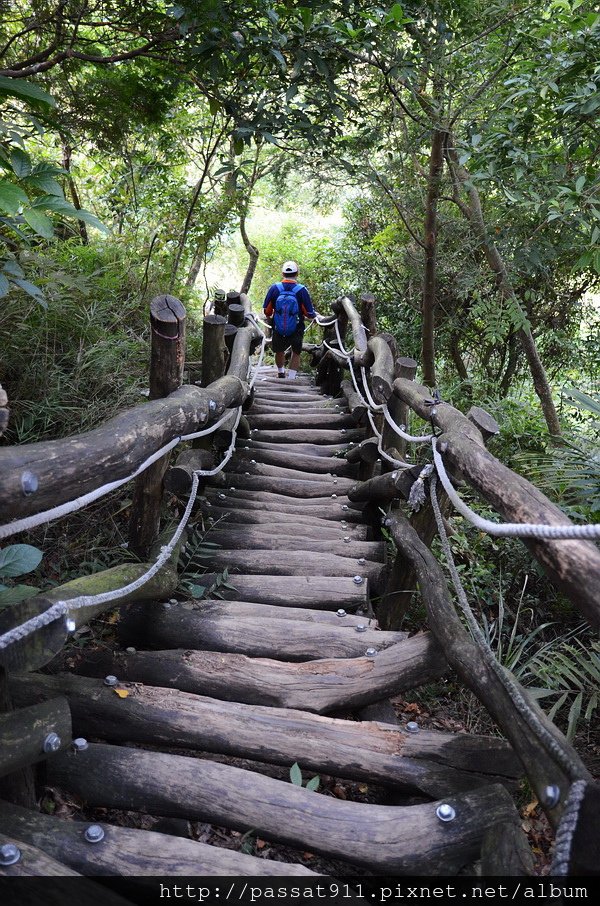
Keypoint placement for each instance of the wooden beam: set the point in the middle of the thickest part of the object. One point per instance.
(25, 734)
(213, 348)
(442, 764)
(395, 840)
(320, 686)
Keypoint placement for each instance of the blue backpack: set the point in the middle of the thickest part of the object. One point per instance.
(286, 316)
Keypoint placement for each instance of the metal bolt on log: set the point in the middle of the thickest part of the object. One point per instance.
(9, 854)
(94, 833)
(445, 812)
(110, 680)
(371, 652)
(80, 744)
(29, 483)
(52, 743)
(412, 727)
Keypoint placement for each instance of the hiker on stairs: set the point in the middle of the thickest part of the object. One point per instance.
(288, 303)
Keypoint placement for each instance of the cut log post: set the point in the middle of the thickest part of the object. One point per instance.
(442, 763)
(357, 406)
(320, 686)
(133, 854)
(411, 839)
(236, 314)
(242, 346)
(383, 488)
(544, 769)
(220, 303)
(398, 410)
(233, 298)
(487, 424)
(229, 334)
(213, 348)
(32, 734)
(178, 478)
(359, 335)
(17, 785)
(368, 313)
(167, 359)
(366, 451)
(382, 369)
(505, 850)
(152, 626)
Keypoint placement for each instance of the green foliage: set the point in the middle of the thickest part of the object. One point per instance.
(298, 780)
(17, 560)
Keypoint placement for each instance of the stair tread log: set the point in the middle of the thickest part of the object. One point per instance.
(398, 840)
(132, 853)
(296, 420)
(307, 436)
(317, 592)
(285, 523)
(369, 751)
(259, 539)
(297, 461)
(250, 466)
(301, 488)
(296, 563)
(321, 450)
(333, 511)
(285, 640)
(320, 686)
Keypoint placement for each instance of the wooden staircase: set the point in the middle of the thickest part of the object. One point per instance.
(287, 666)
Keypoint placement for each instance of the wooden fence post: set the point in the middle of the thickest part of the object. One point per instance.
(213, 349)
(167, 358)
(19, 785)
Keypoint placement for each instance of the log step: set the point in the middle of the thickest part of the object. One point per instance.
(324, 450)
(178, 627)
(320, 686)
(127, 852)
(296, 563)
(248, 467)
(308, 436)
(284, 522)
(316, 592)
(316, 486)
(334, 465)
(394, 840)
(331, 511)
(438, 764)
(327, 420)
(243, 540)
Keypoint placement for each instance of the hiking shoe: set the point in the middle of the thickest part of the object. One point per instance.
(281, 374)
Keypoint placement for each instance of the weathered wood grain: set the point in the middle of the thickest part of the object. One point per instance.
(320, 686)
(369, 751)
(135, 854)
(24, 731)
(397, 840)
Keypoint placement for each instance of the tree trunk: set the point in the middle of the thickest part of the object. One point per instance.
(474, 214)
(253, 254)
(66, 162)
(436, 162)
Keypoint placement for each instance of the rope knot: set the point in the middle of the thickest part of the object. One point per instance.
(417, 496)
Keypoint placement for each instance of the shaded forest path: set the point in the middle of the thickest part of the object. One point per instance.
(288, 667)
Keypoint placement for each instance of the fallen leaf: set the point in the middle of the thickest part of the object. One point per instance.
(122, 693)
(363, 788)
(260, 844)
(529, 809)
(307, 856)
(340, 792)
(413, 708)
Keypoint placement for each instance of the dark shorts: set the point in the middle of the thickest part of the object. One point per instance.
(280, 344)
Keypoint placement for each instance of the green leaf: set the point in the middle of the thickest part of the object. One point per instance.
(20, 162)
(16, 594)
(39, 222)
(13, 268)
(46, 183)
(4, 286)
(579, 184)
(20, 88)
(53, 203)
(313, 784)
(91, 220)
(31, 290)
(196, 591)
(18, 559)
(296, 774)
(12, 198)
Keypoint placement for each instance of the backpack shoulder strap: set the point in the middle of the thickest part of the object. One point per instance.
(296, 287)
(280, 287)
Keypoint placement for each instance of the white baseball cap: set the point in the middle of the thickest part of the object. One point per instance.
(290, 267)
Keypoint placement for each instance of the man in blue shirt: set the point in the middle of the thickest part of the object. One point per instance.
(291, 290)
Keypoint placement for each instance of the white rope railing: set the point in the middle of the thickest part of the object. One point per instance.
(61, 608)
